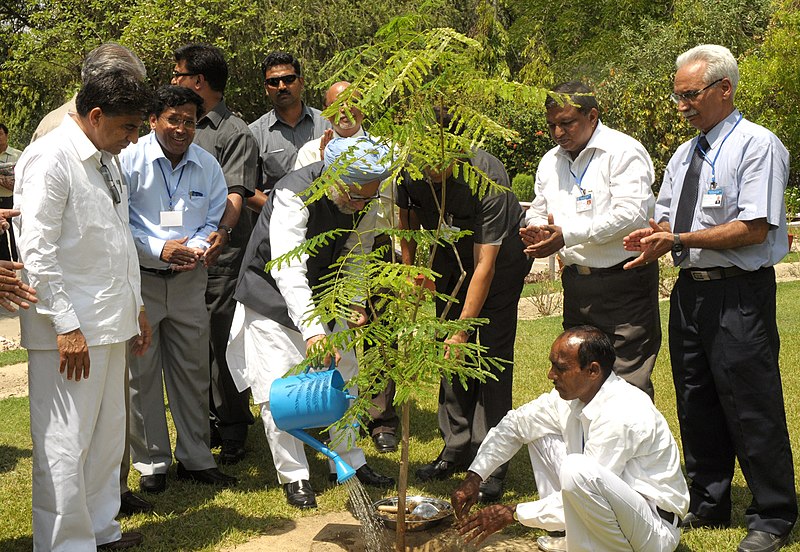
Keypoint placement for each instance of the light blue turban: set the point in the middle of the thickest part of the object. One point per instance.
(366, 159)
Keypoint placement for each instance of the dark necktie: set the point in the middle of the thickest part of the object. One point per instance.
(684, 215)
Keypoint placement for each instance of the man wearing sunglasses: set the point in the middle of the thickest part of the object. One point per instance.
(290, 124)
(271, 331)
(720, 212)
(177, 196)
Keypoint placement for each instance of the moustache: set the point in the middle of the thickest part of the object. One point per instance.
(688, 114)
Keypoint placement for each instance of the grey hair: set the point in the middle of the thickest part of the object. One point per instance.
(111, 56)
(720, 63)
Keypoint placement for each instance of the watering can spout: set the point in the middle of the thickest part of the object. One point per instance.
(343, 470)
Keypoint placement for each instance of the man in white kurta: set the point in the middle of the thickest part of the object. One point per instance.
(79, 254)
(606, 465)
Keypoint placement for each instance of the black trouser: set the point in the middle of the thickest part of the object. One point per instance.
(624, 305)
(723, 340)
(230, 406)
(467, 415)
(8, 245)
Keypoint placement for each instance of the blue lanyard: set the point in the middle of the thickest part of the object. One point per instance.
(578, 181)
(170, 193)
(714, 162)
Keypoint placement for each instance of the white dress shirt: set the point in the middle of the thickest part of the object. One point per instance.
(75, 242)
(287, 231)
(195, 188)
(618, 173)
(619, 428)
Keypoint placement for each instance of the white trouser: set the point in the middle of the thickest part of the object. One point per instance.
(78, 431)
(261, 350)
(599, 510)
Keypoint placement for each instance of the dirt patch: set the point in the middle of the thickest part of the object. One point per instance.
(340, 531)
(14, 381)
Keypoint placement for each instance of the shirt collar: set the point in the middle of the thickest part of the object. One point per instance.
(361, 132)
(722, 128)
(83, 146)
(153, 152)
(591, 410)
(215, 116)
(596, 141)
(274, 119)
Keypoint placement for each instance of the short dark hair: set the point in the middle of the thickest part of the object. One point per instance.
(595, 346)
(4, 128)
(116, 92)
(280, 58)
(577, 92)
(173, 96)
(205, 60)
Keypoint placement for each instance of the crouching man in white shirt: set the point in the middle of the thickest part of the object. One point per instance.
(606, 465)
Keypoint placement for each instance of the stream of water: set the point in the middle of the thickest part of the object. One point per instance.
(375, 535)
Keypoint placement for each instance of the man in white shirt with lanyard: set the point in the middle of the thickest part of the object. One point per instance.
(592, 189)
(606, 465)
(720, 212)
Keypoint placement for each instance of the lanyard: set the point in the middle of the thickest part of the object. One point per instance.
(578, 181)
(714, 162)
(170, 193)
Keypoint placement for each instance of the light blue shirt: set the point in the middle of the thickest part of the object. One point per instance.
(195, 187)
(752, 169)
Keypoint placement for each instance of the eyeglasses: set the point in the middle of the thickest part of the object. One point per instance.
(358, 197)
(274, 82)
(188, 124)
(109, 180)
(692, 94)
(176, 74)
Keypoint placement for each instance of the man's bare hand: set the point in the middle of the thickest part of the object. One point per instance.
(358, 316)
(653, 242)
(477, 527)
(551, 240)
(218, 240)
(314, 351)
(74, 355)
(457, 338)
(175, 252)
(14, 293)
(466, 495)
(141, 342)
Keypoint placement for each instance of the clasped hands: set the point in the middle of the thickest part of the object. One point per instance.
(542, 240)
(652, 242)
(180, 257)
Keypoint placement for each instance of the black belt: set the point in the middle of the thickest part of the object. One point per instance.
(587, 270)
(669, 517)
(159, 272)
(714, 273)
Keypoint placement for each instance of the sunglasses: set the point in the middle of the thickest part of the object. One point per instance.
(274, 82)
(176, 74)
(359, 197)
(110, 183)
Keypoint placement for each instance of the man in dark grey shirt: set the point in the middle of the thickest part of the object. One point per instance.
(203, 69)
(284, 130)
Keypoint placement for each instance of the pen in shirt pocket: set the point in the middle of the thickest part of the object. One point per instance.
(195, 193)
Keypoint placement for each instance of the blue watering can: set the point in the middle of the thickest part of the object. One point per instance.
(311, 399)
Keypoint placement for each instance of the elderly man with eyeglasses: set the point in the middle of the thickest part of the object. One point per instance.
(720, 212)
(177, 196)
(272, 330)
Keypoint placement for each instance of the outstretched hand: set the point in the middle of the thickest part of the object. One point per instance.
(653, 242)
(477, 527)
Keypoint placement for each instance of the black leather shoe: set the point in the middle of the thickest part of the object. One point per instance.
(232, 452)
(130, 504)
(761, 541)
(693, 521)
(210, 476)
(370, 477)
(128, 540)
(300, 494)
(385, 442)
(490, 490)
(438, 469)
(156, 483)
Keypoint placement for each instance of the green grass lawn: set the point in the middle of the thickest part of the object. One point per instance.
(189, 517)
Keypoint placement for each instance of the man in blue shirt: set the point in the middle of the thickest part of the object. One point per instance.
(177, 196)
(720, 212)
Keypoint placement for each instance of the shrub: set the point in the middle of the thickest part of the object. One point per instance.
(523, 187)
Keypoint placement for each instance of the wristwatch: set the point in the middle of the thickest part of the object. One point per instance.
(677, 244)
(225, 227)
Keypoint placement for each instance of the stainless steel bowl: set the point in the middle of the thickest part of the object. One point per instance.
(390, 520)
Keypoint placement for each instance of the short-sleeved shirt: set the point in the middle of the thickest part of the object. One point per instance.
(278, 142)
(752, 170)
(229, 140)
(494, 219)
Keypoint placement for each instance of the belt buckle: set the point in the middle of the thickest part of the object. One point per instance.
(701, 275)
(583, 270)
